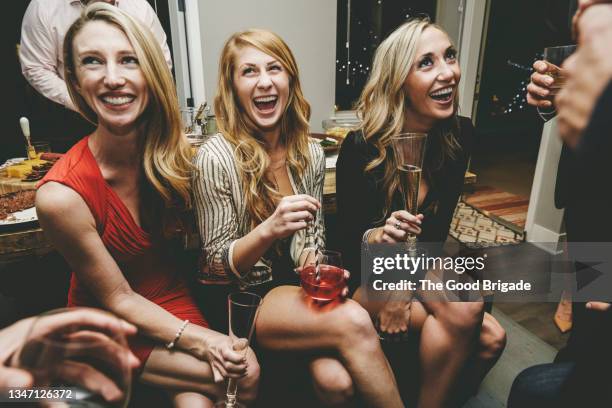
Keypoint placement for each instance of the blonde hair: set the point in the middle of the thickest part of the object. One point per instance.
(261, 194)
(383, 102)
(166, 154)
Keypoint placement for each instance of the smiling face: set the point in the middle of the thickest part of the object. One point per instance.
(432, 83)
(262, 86)
(109, 77)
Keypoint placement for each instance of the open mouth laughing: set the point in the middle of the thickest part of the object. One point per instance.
(117, 101)
(443, 95)
(265, 104)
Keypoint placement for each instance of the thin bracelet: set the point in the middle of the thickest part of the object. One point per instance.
(366, 235)
(171, 345)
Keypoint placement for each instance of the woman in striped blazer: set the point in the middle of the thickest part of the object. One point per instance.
(257, 195)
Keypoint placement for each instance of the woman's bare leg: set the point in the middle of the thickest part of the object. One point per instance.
(189, 399)
(178, 372)
(291, 321)
(332, 383)
(491, 344)
(448, 331)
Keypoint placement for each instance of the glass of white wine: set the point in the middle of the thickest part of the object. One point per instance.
(409, 149)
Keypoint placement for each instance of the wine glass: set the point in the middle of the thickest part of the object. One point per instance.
(85, 365)
(409, 149)
(554, 57)
(322, 276)
(243, 308)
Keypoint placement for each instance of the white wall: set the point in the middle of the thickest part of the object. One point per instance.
(544, 221)
(447, 15)
(308, 27)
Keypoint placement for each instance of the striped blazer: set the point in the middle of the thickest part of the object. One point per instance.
(222, 218)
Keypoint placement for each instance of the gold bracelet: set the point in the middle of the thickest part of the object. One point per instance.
(171, 345)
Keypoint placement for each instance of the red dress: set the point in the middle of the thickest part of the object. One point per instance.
(146, 264)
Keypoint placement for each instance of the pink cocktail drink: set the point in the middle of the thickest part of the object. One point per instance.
(325, 285)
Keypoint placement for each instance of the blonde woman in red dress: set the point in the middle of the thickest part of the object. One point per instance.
(110, 203)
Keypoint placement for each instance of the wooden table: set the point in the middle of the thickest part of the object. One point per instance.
(9, 185)
(15, 246)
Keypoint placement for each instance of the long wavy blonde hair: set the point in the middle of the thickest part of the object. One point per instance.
(383, 103)
(261, 194)
(166, 155)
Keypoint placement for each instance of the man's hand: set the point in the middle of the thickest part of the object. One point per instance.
(538, 90)
(588, 72)
(73, 324)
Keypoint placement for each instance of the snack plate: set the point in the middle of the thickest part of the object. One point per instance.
(20, 220)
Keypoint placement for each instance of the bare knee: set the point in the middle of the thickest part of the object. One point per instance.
(250, 383)
(333, 387)
(462, 317)
(190, 400)
(492, 339)
(355, 324)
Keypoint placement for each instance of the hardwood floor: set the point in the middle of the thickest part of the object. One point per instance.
(538, 319)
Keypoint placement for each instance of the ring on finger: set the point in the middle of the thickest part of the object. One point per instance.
(398, 225)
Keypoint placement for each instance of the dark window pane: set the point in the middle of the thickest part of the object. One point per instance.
(370, 22)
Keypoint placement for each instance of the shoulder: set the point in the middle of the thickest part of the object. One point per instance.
(355, 146)
(140, 9)
(56, 202)
(465, 135)
(75, 167)
(216, 154)
(38, 12)
(315, 150)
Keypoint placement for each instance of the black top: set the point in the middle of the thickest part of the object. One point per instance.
(361, 198)
(588, 219)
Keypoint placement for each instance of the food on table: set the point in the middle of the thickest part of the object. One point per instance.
(338, 131)
(33, 169)
(52, 157)
(18, 170)
(16, 201)
(328, 142)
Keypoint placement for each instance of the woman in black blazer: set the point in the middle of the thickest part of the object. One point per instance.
(413, 88)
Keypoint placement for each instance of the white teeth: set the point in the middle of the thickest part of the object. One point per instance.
(442, 91)
(117, 100)
(265, 99)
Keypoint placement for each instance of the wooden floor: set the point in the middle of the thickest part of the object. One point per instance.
(507, 206)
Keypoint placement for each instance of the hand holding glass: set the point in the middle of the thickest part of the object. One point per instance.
(554, 57)
(322, 276)
(243, 308)
(82, 350)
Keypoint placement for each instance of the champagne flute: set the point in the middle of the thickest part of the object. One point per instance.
(243, 308)
(554, 57)
(409, 150)
(84, 366)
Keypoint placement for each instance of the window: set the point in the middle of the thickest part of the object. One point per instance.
(362, 25)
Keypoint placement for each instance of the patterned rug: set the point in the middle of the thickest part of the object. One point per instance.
(490, 217)
(510, 209)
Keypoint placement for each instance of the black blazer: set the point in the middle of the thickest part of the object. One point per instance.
(360, 197)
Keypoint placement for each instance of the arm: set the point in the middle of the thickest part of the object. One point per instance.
(152, 21)
(315, 232)
(589, 72)
(224, 250)
(77, 239)
(38, 55)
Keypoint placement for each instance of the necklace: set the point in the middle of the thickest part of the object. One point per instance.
(277, 163)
